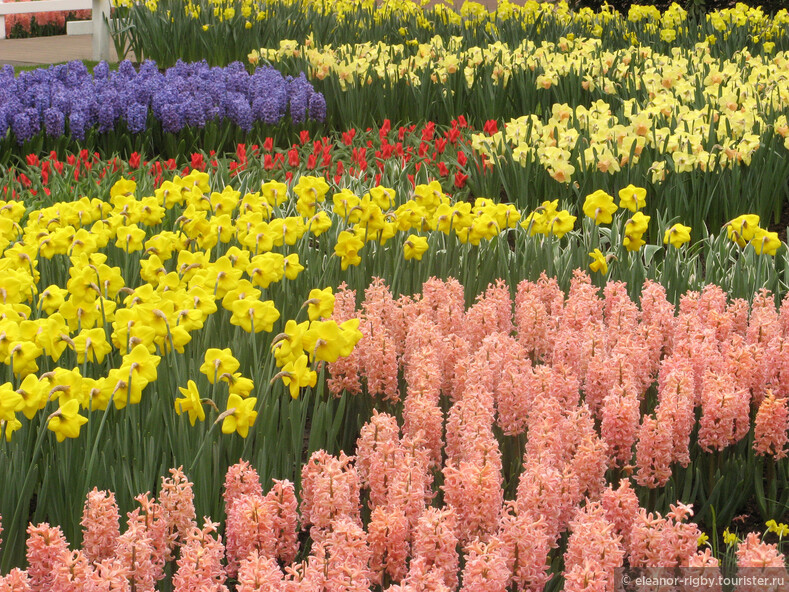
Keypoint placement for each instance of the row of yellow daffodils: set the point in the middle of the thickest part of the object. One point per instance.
(638, 26)
(200, 250)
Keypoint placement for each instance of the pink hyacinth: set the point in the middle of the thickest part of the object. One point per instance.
(704, 565)
(752, 552)
(663, 542)
(16, 581)
(473, 490)
(764, 322)
(151, 517)
(527, 543)
(383, 331)
(587, 577)
(387, 535)
(411, 488)
(329, 491)
(101, 526)
(607, 372)
(590, 458)
(248, 528)
(653, 452)
(423, 576)
(424, 419)
(657, 318)
(110, 575)
(435, 543)
(340, 561)
(284, 510)
(492, 313)
(535, 324)
(46, 546)
(200, 564)
(621, 508)
(593, 541)
(445, 302)
(513, 397)
(620, 414)
(549, 493)
(241, 480)
(135, 554)
(676, 409)
(344, 373)
(423, 370)
(177, 503)
(725, 418)
(620, 313)
(72, 572)
(771, 426)
(377, 455)
(486, 567)
(583, 305)
(469, 425)
(259, 573)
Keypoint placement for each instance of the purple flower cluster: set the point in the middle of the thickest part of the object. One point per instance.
(67, 99)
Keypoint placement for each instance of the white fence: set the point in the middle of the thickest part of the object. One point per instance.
(100, 10)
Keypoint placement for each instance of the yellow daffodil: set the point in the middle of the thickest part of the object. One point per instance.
(190, 402)
(66, 421)
(10, 401)
(320, 303)
(347, 248)
(633, 198)
(559, 223)
(91, 345)
(414, 247)
(240, 416)
(600, 207)
(599, 263)
(765, 242)
(253, 315)
(291, 267)
(297, 374)
(218, 362)
(8, 427)
(742, 229)
(677, 235)
(238, 385)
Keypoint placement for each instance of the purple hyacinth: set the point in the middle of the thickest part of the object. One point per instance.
(317, 107)
(106, 117)
(136, 118)
(101, 71)
(68, 96)
(54, 122)
(76, 125)
(20, 125)
(194, 114)
(171, 118)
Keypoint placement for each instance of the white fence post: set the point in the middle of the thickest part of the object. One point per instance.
(2, 24)
(101, 29)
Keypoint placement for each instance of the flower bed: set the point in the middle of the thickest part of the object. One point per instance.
(41, 24)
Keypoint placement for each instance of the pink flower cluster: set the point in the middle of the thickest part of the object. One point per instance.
(545, 359)
(407, 545)
(57, 18)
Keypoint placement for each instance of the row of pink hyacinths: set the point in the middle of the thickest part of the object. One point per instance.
(406, 539)
(571, 371)
(548, 360)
